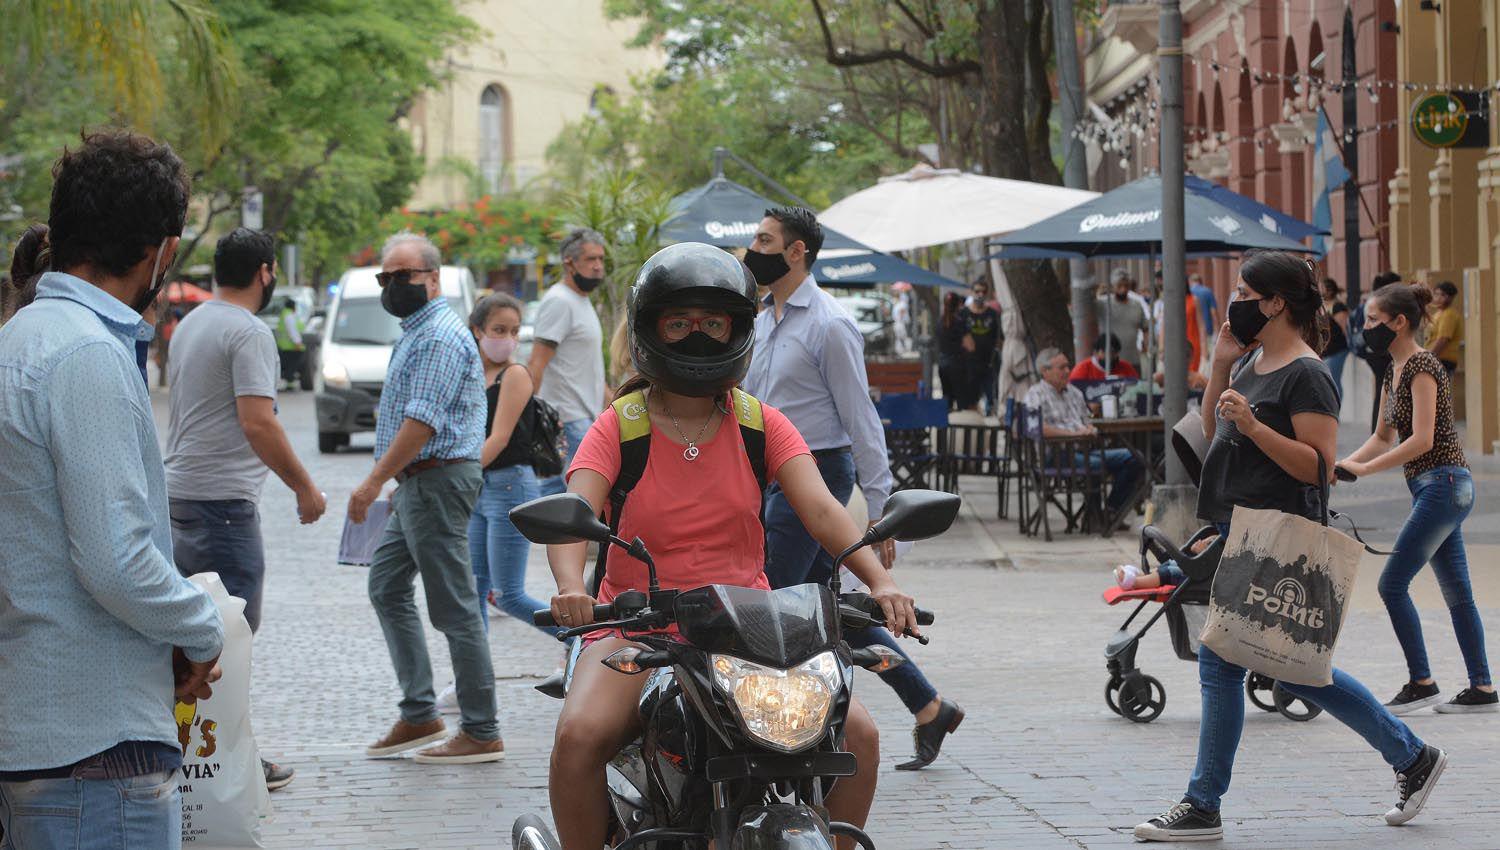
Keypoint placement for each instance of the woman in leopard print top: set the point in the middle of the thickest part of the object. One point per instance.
(1418, 404)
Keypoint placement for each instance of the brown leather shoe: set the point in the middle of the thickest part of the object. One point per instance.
(405, 736)
(462, 749)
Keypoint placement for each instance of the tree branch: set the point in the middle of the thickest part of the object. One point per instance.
(921, 27)
(844, 58)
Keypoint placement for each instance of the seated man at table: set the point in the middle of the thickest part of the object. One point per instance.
(1106, 363)
(1065, 415)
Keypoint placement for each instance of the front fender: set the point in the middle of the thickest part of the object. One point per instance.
(782, 827)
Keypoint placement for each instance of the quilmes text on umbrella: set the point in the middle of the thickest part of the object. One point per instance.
(721, 229)
(848, 270)
(1099, 221)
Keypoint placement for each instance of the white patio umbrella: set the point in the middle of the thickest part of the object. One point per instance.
(928, 206)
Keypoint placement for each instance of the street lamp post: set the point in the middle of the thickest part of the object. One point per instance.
(1173, 246)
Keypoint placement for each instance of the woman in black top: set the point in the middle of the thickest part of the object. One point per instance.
(496, 550)
(1276, 412)
(982, 336)
(1337, 349)
(952, 368)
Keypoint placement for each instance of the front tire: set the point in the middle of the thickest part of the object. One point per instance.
(532, 833)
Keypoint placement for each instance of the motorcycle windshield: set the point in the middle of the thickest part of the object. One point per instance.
(777, 628)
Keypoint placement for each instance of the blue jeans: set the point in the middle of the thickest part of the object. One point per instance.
(222, 537)
(573, 431)
(1124, 468)
(1335, 364)
(92, 814)
(497, 551)
(1441, 499)
(794, 557)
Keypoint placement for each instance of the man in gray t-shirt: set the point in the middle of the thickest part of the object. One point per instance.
(567, 357)
(222, 432)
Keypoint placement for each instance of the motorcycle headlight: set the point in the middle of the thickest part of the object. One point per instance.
(786, 709)
(335, 375)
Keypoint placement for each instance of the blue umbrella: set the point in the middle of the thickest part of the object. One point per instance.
(725, 214)
(1126, 222)
(1270, 218)
(875, 267)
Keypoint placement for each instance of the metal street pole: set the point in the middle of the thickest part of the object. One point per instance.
(1075, 165)
(1351, 162)
(1173, 246)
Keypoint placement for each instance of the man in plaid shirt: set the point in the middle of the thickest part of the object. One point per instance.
(429, 428)
(1065, 415)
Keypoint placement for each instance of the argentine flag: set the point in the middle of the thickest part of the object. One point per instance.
(1329, 174)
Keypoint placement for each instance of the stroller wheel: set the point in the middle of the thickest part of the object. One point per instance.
(1293, 707)
(1112, 694)
(1142, 698)
(1254, 685)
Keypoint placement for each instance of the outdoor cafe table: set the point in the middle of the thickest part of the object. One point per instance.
(1140, 433)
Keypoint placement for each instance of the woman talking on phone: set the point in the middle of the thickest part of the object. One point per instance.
(1276, 413)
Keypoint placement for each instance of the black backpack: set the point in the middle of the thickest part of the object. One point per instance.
(548, 444)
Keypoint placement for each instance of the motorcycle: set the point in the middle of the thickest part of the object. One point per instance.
(743, 712)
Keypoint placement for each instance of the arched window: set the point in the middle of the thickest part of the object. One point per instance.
(494, 108)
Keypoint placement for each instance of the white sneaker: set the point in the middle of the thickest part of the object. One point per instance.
(447, 701)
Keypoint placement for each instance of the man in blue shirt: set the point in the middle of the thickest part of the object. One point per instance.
(810, 364)
(100, 631)
(1210, 316)
(428, 431)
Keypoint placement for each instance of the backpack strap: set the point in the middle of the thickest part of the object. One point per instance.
(635, 450)
(752, 422)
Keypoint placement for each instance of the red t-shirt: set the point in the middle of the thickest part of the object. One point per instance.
(700, 519)
(1088, 370)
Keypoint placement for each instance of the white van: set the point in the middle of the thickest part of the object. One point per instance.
(358, 335)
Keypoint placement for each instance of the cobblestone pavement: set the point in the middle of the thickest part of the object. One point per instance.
(1040, 762)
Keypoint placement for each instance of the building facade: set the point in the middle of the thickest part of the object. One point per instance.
(536, 67)
(1256, 76)
(1445, 201)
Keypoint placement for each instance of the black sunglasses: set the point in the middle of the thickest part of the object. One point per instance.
(400, 276)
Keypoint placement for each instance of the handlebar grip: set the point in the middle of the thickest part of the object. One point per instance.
(925, 617)
(546, 620)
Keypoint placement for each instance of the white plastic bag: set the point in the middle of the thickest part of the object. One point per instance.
(223, 787)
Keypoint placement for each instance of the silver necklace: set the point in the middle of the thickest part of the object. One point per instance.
(691, 452)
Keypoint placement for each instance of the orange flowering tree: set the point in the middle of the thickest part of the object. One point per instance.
(485, 234)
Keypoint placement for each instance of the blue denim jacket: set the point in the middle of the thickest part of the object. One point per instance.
(90, 602)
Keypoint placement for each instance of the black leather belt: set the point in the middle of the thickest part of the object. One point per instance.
(819, 454)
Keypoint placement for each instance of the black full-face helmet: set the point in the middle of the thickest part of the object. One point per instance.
(692, 274)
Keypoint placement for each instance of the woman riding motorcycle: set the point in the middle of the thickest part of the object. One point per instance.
(697, 507)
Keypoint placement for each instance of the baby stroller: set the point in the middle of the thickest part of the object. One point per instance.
(1131, 693)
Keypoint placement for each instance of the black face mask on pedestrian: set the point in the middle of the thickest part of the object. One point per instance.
(265, 294)
(767, 268)
(156, 283)
(1379, 338)
(1246, 321)
(403, 299)
(699, 344)
(585, 283)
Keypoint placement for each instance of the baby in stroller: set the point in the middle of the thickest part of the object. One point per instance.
(1132, 577)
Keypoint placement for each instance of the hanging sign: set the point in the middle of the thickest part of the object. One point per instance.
(1451, 120)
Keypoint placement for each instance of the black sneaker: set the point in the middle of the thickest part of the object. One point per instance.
(1414, 697)
(1413, 786)
(1470, 701)
(277, 777)
(1182, 822)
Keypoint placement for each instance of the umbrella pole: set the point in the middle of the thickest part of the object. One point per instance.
(1151, 335)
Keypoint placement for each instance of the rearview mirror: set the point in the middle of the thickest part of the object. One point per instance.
(916, 515)
(559, 518)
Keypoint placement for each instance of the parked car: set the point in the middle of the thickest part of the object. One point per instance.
(872, 315)
(358, 335)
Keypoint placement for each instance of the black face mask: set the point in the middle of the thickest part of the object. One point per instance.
(265, 295)
(1379, 338)
(587, 284)
(699, 344)
(149, 296)
(1246, 321)
(403, 299)
(767, 268)
(1122, 296)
